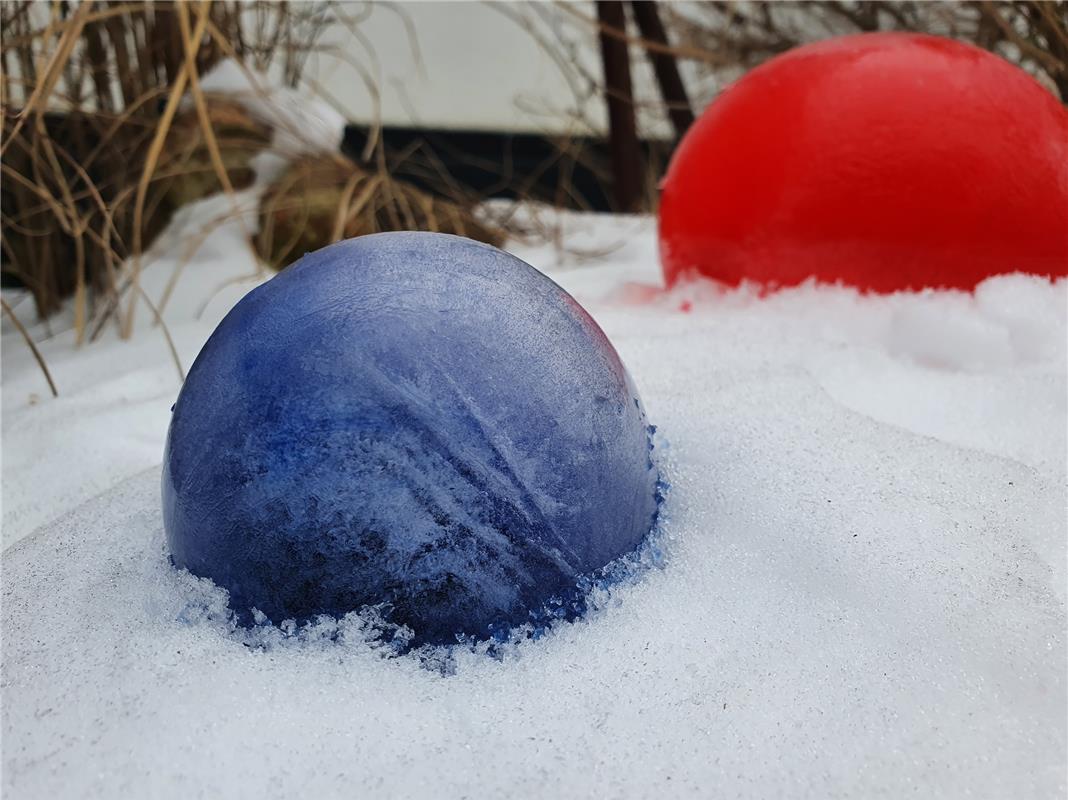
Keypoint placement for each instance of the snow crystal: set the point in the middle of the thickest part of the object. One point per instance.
(859, 590)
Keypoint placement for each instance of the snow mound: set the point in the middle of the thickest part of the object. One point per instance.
(861, 592)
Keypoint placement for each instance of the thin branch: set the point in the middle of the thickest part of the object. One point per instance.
(33, 348)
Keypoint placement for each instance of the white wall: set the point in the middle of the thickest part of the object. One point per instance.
(482, 68)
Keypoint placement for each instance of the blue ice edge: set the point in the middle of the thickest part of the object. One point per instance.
(369, 628)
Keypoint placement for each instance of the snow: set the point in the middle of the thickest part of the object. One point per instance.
(301, 121)
(858, 587)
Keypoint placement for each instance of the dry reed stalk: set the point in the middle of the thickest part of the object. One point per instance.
(152, 159)
(30, 343)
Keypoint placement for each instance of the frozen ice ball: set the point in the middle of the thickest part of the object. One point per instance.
(410, 421)
(885, 161)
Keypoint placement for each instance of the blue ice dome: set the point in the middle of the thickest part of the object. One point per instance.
(411, 421)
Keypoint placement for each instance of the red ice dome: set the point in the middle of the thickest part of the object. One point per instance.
(885, 161)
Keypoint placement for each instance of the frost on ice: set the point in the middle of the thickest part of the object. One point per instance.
(412, 421)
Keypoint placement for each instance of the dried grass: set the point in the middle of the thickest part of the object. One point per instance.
(99, 148)
(323, 199)
(1030, 33)
(93, 167)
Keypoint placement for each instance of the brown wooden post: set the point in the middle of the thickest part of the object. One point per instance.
(622, 130)
(672, 89)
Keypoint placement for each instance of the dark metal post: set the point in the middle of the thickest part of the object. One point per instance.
(667, 71)
(622, 130)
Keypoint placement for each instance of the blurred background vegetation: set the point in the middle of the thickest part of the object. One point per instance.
(108, 130)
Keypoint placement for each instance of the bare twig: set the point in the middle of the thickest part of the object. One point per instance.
(33, 347)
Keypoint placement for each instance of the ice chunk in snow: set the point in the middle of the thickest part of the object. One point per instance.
(415, 421)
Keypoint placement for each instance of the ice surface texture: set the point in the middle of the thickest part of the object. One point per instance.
(413, 420)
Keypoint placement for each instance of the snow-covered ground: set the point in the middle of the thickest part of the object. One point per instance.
(862, 589)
